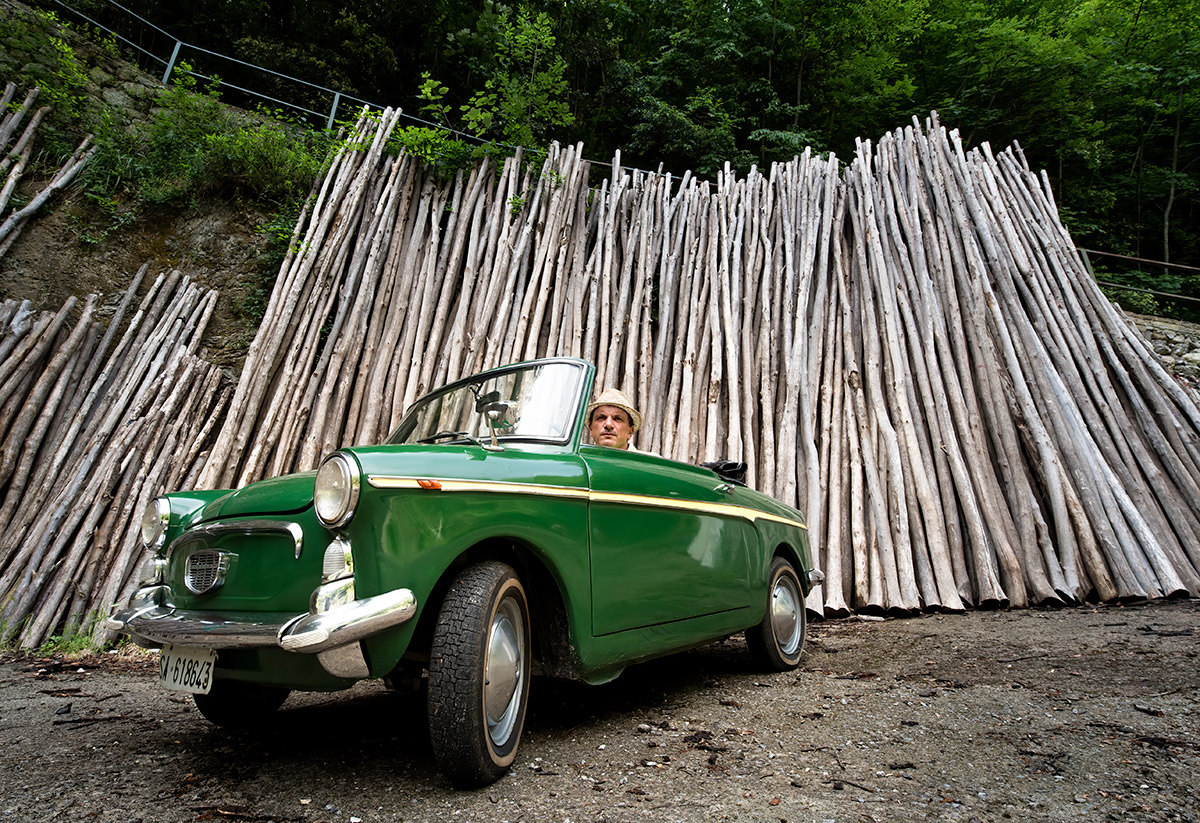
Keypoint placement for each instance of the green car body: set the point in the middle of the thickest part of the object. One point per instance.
(618, 556)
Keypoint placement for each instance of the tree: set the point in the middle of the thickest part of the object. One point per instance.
(522, 96)
(1104, 94)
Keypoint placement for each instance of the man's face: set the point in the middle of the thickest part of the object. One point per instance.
(610, 426)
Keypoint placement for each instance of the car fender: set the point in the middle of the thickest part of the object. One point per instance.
(417, 530)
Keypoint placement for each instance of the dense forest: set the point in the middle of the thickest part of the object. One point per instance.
(1103, 94)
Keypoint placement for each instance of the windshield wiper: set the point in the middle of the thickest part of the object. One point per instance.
(447, 435)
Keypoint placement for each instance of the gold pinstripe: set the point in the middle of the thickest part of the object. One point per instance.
(569, 492)
(385, 482)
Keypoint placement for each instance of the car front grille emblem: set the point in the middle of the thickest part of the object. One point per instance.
(205, 571)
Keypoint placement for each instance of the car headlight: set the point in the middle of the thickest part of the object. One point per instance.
(155, 519)
(335, 491)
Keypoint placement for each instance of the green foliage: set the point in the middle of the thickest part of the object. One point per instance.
(279, 230)
(43, 58)
(66, 92)
(1137, 302)
(173, 146)
(74, 640)
(437, 147)
(1145, 289)
(1103, 94)
(194, 144)
(269, 158)
(116, 216)
(433, 99)
(700, 129)
(522, 96)
(107, 41)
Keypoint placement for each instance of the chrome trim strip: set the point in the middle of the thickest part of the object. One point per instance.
(727, 509)
(141, 602)
(205, 530)
(493, 486)
(569, 492)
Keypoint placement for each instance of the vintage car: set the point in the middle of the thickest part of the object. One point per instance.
(484, 541)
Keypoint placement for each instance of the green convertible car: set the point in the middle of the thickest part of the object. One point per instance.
(484, 541)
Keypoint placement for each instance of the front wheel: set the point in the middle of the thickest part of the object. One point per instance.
(778, 641)
(479, 675)
(236, 704)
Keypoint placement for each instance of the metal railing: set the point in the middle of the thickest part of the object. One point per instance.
(150, 39)
(152, 43)
(159, 50)
(1185, 304)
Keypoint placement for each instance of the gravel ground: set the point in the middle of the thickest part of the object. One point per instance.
(1085, 713)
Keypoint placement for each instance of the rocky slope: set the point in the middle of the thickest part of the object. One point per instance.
(78, 247)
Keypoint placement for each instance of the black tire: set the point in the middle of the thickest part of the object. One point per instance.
(777, 642)
(236, 704)
(479, 675)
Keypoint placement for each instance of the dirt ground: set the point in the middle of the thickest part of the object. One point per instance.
(1085, 713)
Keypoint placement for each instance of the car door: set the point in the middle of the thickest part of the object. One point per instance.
(664, 543)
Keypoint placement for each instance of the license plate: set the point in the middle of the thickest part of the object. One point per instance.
(186, 669)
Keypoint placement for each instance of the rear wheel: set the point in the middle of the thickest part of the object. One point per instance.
(479, 675)
(237, 704)
(778, 641)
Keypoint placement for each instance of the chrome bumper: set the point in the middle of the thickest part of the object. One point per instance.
(332, 634)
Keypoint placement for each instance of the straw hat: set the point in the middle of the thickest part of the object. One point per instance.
(615, 397)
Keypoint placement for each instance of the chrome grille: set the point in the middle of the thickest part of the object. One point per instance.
(205, 571)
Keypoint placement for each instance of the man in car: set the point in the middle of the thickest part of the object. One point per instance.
(612, 420)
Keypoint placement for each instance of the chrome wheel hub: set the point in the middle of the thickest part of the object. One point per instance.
(787, 617)
(503, 675)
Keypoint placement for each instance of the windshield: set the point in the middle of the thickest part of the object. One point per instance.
(536, 402)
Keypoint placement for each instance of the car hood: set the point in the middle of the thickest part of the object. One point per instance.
(289, 494)
(537, 463)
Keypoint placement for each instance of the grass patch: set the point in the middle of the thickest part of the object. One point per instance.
(75, 640)
(194, 144)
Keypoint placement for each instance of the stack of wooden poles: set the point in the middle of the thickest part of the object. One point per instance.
(16, 150)
(907, 348)
(92, 428)
(1006, 435)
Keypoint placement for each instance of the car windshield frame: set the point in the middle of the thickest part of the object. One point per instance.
(480, 389)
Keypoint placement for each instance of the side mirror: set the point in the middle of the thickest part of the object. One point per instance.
(500, 414)
(483, 401)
